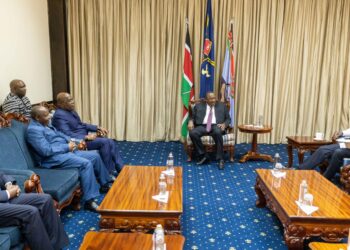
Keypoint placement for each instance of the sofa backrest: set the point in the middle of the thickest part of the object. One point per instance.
(11, 155)
(20, 131)
(14, 152)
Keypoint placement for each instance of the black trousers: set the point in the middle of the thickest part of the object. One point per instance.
(215, 132)
(38, 219)
(333, 153)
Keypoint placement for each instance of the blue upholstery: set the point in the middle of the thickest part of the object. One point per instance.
(5, 242)
(16, 160)
(58, 183)
(14, 234)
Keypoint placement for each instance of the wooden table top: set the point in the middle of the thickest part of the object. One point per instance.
(132, 192)
(308, 140)
(253, 129)
(333, 203)
(127, 241)
(327, 246)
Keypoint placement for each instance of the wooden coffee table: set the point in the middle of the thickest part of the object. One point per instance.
(331, 221)
(254, 154)
(303, 144)
(127, 241)
(129, 206)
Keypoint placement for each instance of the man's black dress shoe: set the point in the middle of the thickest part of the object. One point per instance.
(221, 165)
(91, 205)
(105, 188)
(202, 160)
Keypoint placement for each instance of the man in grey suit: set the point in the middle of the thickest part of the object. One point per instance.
(35, 214)
(209, 118)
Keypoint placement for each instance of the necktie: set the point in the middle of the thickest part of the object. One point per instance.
(210, 116)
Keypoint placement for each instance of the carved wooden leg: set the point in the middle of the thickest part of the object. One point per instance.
(76, 200)
(261, 201)
(294, 236)
(345, 178)
(301, 153)
(232, 153)
(290, 155)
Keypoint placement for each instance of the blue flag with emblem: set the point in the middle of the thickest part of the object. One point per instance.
(208, 61)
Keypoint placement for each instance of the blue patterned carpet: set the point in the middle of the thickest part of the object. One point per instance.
(219, 206)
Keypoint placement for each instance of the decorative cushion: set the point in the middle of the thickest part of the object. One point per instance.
(13, 233)
(229, 139)
(59, 183)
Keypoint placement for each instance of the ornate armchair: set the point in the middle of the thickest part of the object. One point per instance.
(208, 142)
(345, 178)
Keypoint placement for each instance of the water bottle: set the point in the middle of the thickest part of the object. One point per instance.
(277, 166)
(162, 184)
(170, 162)
(302, 191)
(158, 238)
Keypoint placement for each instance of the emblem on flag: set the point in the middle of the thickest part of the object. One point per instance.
(207, 46)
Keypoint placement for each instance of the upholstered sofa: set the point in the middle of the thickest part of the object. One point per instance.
(16, 160)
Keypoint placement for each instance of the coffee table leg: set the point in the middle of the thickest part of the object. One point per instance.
(294, 236)
(301, 153)
(261, 201)
(290, 155)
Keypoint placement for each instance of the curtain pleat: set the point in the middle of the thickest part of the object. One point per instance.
(292, 63)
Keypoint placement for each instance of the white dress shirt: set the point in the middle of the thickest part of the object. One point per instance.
(213, 118)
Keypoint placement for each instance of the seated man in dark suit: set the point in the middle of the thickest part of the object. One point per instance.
(53, 149)
(209, 118)
(35, 214)
(68, 121)
(334, 154)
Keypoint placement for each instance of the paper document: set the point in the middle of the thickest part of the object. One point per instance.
(306, 209)
(161, 198)
(278, 174)
(169, 172)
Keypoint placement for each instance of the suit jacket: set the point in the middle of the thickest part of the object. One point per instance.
(70, 124)
(221, 113)
(3, 180)
(49, 145)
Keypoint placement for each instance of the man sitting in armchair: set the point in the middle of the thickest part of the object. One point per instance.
(209, 118)
(334, 154)
(68, 121)
(34, 213)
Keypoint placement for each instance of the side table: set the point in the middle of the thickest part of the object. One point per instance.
(254, 154)
(303, 144)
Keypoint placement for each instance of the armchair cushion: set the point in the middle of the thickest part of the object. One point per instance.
(14, 234)
(59, 184)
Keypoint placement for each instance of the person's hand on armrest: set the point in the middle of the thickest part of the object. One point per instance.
(102, 131)
(190, 125)
(13, 190)
(72, 146)
(336, 135)
(222, 126)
